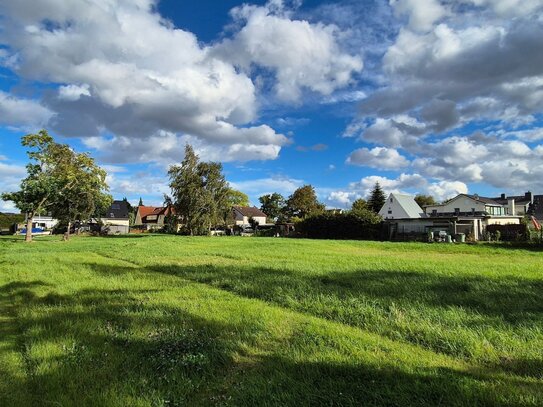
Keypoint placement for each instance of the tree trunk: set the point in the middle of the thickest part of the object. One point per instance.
(28, 236)
(67, 234)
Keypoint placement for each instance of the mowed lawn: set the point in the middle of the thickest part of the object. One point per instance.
(166, 320)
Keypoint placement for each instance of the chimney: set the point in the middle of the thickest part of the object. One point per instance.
(502, 196)
(529, 196)
(511, 206)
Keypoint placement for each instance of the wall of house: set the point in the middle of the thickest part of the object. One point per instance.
(137, 220)
(392, 209)
(417, 226)
(44, 221)
(502, 220)
(116, 222)
(244, 220)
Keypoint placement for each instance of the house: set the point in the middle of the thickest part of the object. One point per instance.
(400, 206)
(463, 214)
(40, 225)
(517, 205)
(43, 222)
(152, 217)
(242, 214)
(523, 205)
(117, 218)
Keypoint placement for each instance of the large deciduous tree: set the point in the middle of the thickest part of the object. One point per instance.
(237, 198)
(82, 192)
(303, 202)
(425, 200)
(199, 192)
(377, 198)
(60, 181)
(273, 205)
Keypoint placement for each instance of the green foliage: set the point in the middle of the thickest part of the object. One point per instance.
(377, 198)
(199, 192)
(81, 192)
(507, 233)
(168, 320)
(7, 221)
(102, 204)
(303, 202)
(362, 224)
(273, 205)
(68, 185)
(234, 198)
(425, 200)
(359, 205)
(237, 198)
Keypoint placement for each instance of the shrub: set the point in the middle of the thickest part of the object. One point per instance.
(366, 226)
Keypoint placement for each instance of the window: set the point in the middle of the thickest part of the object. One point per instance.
(389, 211)
(456, 210)
(434, 212)
(115, 206)
(391, 200)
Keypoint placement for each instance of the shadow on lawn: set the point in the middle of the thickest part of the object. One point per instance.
(378, 300)
(113, 347)
(516, 300)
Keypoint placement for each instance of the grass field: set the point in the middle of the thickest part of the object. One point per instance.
(167, 320)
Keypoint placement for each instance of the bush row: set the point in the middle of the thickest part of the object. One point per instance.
(341, 226)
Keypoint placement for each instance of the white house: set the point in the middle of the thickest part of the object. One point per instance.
(43, 222)
(473, 213)
(467, 214)
(400, 206)
(242, 214)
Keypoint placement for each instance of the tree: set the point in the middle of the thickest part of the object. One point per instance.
(425, 200)
(233, 198)
(170, 219)
(140, 203)
(303, 202)
(237, 198)
(59, 180)
(377, 198)
(102, 204)
(273, 205)
(199, 192)
(359, 205)
(83, 190)
(215, 192)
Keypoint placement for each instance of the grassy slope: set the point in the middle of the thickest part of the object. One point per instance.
(165, 320)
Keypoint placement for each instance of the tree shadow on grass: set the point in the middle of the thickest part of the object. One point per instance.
(114, 347)
(378, 300)
(516, 300)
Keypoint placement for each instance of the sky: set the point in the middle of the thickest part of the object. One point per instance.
(434, 97)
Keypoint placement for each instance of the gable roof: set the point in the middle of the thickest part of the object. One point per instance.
(250, 211)
(118, 210)
(488, 201)
(145, 211)
(409, 205)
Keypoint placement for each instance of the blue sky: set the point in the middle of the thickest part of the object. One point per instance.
(425, 96)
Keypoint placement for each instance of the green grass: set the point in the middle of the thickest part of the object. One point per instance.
(167, 320)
